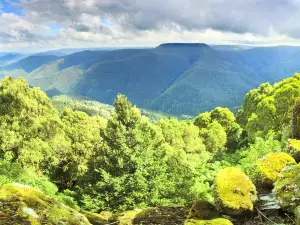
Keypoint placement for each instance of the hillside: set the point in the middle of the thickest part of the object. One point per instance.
(174, 78)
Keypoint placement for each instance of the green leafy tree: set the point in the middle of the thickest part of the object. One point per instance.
(134, 166)
(83, 136)
(28, 121)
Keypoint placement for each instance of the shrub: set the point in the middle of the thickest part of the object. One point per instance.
(271, 165)
(234, 191)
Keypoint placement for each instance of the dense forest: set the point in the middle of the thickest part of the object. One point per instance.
(71, 165)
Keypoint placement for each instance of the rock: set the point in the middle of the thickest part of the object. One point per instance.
(293, 148)
(271, 165)
(234, 192)
(21, 204)
(287, 188)
(99, 219)
(219, 221)
(203, 210)
(154, 216)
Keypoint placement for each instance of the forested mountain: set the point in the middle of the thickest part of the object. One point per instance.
(174, 78)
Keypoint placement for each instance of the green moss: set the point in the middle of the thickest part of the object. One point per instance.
(293, 148)
(270, 166)
(98, 219)
(25, 205)
(287, 188)
(219, 221)
(129, 217)
(234, 192)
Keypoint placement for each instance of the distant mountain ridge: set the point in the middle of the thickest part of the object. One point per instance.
(174, 78)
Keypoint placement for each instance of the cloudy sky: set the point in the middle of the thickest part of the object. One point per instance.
(36, 25)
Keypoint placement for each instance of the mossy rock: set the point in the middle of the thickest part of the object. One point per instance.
(203, 210)
(218, 221)
(99, 219)
(234, 192)
(287, 188)
(271, 165)
(293, 148)
(154, 216)
(21, 204)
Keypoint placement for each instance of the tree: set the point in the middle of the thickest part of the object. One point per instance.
(28, 121)
(226, 119)
(83, 136)
(214, 137)
(134, 166)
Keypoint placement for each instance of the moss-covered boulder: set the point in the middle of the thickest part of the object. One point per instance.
(203, 210)
(153, 216)
(99, 219)
(234, 192)
(271, 165)
(293, 148)
(218, 221)
(21, 204)
(287, 188)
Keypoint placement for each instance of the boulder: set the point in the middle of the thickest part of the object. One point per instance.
(21, 204)
(203, 210)
(271, 165)
(287, 188)
(218, 221)
(293, 148)
(174, 215)
(234, 192)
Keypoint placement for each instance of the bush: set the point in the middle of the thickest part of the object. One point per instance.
(234, 192)
(287, 187)
(257, 150)
(271, 165)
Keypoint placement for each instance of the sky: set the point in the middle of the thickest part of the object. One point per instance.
(40, 25)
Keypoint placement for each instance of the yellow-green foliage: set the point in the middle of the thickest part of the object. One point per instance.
(234, 191)
(287, 187)
(219, 221)
(25, 205)
(271, 165)
(293, 149)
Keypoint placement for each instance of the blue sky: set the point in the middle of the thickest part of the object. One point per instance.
(37, 25)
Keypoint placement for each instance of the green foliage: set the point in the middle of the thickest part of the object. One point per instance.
(209, 124)
(83, 136)
(13, 172)
(261, 147)
(136, 165)
(270, 107)
(28, 121)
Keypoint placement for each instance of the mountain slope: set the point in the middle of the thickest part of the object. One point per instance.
(176, 78)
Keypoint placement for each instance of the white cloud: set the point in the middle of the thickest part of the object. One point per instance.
(103, 23)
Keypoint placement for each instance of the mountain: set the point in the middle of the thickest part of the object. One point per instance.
(10, 57)
(174, 78)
